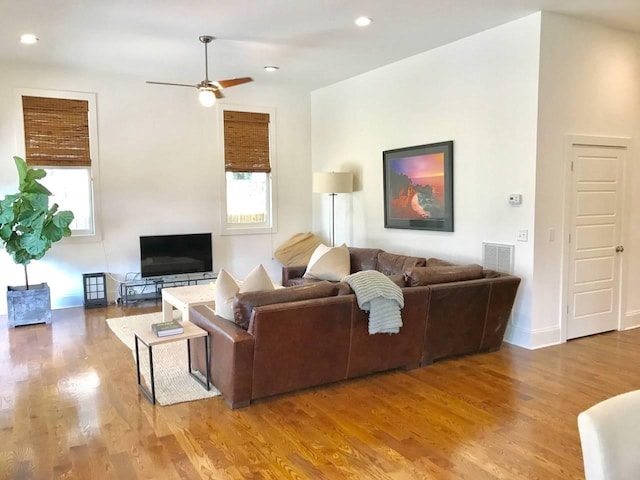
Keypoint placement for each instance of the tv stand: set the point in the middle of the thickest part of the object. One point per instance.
(140, 289)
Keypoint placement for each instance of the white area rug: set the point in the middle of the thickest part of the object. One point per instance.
(170, 361)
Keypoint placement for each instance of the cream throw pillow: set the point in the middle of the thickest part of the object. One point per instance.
(227, 287)
(258, 279)
(328, 263)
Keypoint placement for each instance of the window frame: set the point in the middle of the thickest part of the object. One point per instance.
(81, 236)
(227, 228)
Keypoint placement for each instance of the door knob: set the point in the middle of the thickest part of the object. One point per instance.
(619, 249)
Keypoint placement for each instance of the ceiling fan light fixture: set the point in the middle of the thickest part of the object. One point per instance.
(271, 68)
(363, 21)
(28, 39)
(207, 97)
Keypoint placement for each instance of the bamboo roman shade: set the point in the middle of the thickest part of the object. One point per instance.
(56, 132)
(246, 142)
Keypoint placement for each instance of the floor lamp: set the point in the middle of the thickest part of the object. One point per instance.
(333, 183)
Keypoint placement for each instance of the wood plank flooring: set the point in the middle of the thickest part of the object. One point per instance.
(69, 408)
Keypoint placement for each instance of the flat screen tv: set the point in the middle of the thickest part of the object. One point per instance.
(175, 254)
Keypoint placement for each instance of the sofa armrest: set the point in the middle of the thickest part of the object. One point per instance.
(289, 273)
(455, 319)
(300, 344)
(231, 356)
(501, 299)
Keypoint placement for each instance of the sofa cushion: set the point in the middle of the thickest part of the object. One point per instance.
(294, 282)
(363, 258)
(438, 262)
(491, 274)
(399, 280)
(421, 276)
(226, 287)
(392, 264)
(298, 249)
(329, 263)
(345, 289)
(243, 303)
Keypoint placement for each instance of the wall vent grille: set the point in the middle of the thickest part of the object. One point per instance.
(498, 256)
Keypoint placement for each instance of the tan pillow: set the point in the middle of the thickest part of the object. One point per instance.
(328, 263)
(227, 287)
(298, 249)
(244, 302)
(420, 276)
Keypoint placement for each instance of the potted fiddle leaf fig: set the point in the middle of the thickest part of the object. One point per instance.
(28, 228)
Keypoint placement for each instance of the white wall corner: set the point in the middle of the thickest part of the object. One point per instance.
(631, 320)
(533, 339)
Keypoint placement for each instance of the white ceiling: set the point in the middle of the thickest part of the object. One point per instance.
(314, 42)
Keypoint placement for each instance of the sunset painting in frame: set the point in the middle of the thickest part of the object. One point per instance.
(418, 187)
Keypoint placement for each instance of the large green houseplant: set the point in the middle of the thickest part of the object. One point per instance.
(28, 225)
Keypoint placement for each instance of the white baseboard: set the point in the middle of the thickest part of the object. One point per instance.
(631, 320)
(67, 301)
(532, 339)
(545, 337)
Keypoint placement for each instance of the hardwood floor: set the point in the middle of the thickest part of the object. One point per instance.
(69, 408)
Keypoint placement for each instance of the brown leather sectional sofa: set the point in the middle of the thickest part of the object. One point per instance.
(291, 344)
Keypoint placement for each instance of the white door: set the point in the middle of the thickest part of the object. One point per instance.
(594, 241)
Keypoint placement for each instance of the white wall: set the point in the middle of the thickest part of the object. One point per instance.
(480, 92)
(589, 85)
(160, 174)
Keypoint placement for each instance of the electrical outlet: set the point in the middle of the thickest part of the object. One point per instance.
(523, 236)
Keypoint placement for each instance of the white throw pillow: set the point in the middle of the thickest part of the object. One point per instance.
(258, 279)
(328, 263)
(227, 287)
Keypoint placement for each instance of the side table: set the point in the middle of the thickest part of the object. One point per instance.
(150, 339)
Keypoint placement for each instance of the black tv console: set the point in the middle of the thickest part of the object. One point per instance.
(130, 294)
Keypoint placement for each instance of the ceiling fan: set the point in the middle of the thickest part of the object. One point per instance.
(209, 90)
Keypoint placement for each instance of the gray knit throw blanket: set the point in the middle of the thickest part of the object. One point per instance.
(379, 296)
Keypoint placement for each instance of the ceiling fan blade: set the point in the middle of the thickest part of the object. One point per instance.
(173, 84)
(233, 82)
(218, 94)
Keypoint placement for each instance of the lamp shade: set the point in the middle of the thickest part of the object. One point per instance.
(333, 182)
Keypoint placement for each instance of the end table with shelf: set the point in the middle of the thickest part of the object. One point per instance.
(149, 339)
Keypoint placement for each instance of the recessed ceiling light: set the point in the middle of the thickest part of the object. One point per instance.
(363, 21)
(28, 39)
(271, 68)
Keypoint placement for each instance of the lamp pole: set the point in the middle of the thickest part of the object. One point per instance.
(333, 183)
(333, 219)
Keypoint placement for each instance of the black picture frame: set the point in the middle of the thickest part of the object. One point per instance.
(418, 187)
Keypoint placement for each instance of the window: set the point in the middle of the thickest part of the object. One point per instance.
(59, 137)
(247, 147)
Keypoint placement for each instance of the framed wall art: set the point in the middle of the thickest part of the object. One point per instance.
(418, 187)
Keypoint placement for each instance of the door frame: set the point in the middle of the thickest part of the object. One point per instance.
(623, 143)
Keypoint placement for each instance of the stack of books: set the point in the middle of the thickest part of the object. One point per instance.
(164, 329)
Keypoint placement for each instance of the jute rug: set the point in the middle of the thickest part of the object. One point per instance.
(170, 362)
